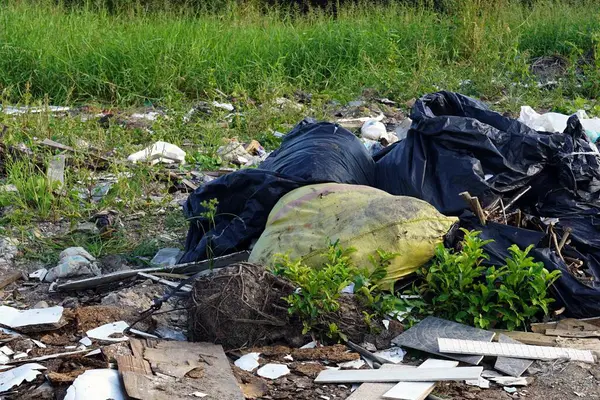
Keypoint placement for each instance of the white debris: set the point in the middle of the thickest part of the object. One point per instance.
(74, 262)
(354, 364)
(159, 152)
(16, 376)
(310, 345)
(96, 384)
(386, 323)
(348, 289)
(10, 110)
(394, 354)
(112, 332)
(288, 358)
(373, 129)
(18, 319)
(481, 382)
(150, 116)
(510, 381)
(4, 359)
(248, 362)
(556, 122)
(223, 106)
(273, 371)
(199, 394)
(235, 153)
(39, 274)
(6, 350)
(18, 356)
(510, 389)
(39, 344)
(93, 353)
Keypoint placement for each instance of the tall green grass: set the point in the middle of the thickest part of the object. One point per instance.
(132, 56)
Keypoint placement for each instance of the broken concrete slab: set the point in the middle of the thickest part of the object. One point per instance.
(32, 320)
(424, 335)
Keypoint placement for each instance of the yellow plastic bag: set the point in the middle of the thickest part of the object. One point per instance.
(362, 217)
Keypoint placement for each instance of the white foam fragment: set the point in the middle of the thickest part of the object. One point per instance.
(16, 376)
(273, 371)
(248, 362)
(109, 332)
(96, 384)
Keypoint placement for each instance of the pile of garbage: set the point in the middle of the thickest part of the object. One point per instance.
(453, 164)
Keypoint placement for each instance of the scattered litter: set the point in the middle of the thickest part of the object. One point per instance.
(74, 262)
(167, 256)
(94, 353)
(288, 357)
(96, 384)
(510, 389)
(310, 345)
(112, 332)
(456, 346)
(224, 106)
(273, 371)
(402, 129)
(150, 116)
(159, 152)
(355, 364)
(556, 122)
(56, 171)
(199, 394)
(6, 350)
(11, 110)
(16, 376)
(510, 381)
(373, 129)
(32, 320)
(481, 383)
(394, 354)
(248, 362)
(235, 153)
(39, 344)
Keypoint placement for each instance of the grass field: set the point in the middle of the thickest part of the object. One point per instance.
(133, 56)
(172, 57)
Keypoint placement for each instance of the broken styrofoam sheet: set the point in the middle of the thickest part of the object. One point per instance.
(6, 351)
(456, 346)
(354, 364)
(112, 332)
(557, 123)
(248, 362)
(310, 345)
(4, 359)
(30, 319)
(159, 152)
(16, 376)
(96, 384)
(481, 383)
(394, 354)
(273, 371)
(39, 344)
(223, 106)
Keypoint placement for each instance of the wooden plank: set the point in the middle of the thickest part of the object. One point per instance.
(137, 347)
(12, 278)
(418, 390)
(412, 375)
(456, 346)
(133, 364)
(572, 334)
(56, 145)
(511, 366)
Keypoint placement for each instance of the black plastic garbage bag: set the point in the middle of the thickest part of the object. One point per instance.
(457, 144)
(323, 152)
(311, 153)
(245, 199)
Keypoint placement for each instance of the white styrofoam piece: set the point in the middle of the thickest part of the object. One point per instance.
(457, 346)
(86, 341)
(14, 318)
(16, 376)
(393, 354)
(4, 359)
(104, 332)
(7, 350)
(354, 364)
(248, 362)
(39, 344)
(39, 274)
(96, 384)
(407, 375)
(273, 371)
(162, 151)
(481, 383)
(416, 390)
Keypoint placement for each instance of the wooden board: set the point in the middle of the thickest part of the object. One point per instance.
(534, 339)
(418, 390)
(424, 335)
(11, 278)
(456, 346)
(400, 375)
(572, 334)
(133, 364)
(511, 366)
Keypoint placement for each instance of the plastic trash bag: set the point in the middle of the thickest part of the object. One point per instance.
(362, 217)
(322, 152)
(457, 144)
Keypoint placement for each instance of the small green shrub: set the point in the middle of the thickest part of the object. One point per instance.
(456, 286)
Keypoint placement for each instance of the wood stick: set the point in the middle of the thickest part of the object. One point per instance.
(564, 238)
(475, 205)
(555, 241)
(12, 278)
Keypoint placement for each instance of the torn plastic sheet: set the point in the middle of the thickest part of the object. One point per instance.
(96, 384)
(16, 376)
(556, 122)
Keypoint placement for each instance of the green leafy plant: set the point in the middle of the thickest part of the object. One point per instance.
(457, 286)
